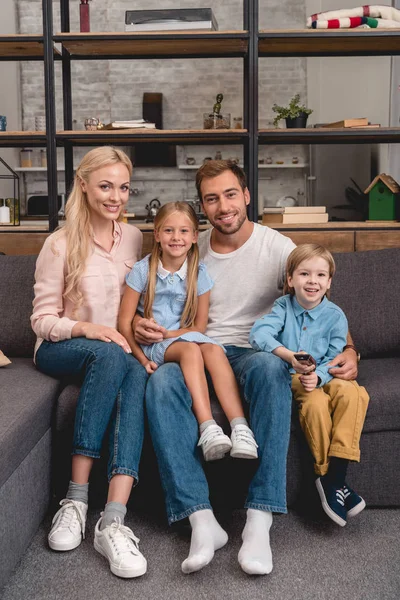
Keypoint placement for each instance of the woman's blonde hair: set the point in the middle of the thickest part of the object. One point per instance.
(305, 252)
(77, 227)
(190, 308)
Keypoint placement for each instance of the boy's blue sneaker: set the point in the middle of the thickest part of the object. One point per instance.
(353, 502)
(333, 501)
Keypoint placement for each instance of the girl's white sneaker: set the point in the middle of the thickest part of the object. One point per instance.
(214, 443)
(243, 443)
(118, 544)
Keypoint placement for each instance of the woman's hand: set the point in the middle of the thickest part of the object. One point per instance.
(347, 368)
(91, 331)
(147, 331)
(309, 381)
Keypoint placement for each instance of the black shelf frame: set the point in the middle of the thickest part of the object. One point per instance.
(255, 44)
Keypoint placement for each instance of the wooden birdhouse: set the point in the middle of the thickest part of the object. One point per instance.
(383, 199)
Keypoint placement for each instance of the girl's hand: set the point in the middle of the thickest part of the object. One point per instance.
(300, 367)
(309, 381)
(91, 331)
(150, 367)
(147, 332)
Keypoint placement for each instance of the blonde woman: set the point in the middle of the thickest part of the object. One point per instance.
(80, 278)
(171, 287)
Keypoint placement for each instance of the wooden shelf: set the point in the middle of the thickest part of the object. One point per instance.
(21, 47)
(322, 42)
(325, 135)
(22, 138)
(260, 166)
(135, 136)
(182, 44)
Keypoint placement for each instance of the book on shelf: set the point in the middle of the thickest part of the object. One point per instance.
(294, 209)
(286, 216)
(171, 19)
(134, 124)
(369, 126)
(359, 122)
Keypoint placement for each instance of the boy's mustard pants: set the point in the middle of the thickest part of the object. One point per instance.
(332, 418)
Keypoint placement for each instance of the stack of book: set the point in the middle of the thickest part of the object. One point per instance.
(172, 19)
(359, 123)
(295, 214)
(134, 124)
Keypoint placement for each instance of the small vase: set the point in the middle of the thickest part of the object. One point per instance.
(298, 122)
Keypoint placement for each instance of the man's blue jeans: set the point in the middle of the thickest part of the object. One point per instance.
(265, 383)
(112, 394)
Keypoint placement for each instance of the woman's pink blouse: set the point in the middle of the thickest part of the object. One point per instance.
(102, 284)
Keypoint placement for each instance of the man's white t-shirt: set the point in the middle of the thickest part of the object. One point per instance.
(247, 282)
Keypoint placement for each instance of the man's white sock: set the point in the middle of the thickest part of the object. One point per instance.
(255, 555)
(207, 537)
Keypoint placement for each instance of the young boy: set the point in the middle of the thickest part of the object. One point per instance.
(304, 324)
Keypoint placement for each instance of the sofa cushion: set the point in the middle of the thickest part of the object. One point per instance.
(26, 407)
(367, 287)
(16, 295)
(381, 378)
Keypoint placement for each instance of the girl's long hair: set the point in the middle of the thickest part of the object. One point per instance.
(77, 227)
(190, 309)
(305, 252)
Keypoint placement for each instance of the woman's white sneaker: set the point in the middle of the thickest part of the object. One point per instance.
(243, 443)
(68, 525)
(214, 443)
(118, 544)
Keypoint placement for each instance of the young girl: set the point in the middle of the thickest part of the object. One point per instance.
(171, 286)
(332, 411)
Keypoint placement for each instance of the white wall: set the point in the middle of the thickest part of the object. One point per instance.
(346, 87)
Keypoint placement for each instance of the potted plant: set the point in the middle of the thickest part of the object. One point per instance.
(295, 114)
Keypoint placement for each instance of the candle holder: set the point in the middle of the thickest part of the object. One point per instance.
(9, 209)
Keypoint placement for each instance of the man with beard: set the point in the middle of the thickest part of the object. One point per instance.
(247, 263)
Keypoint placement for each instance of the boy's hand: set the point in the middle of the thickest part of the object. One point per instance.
(150, 367)
(302, 367)
(309, 381)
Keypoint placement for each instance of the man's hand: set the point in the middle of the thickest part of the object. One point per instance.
(347, 368)
(309, 381)
(147, 332)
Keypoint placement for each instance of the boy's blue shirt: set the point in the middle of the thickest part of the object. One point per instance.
(321, 331)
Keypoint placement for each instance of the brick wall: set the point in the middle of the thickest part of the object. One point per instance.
(114, 90)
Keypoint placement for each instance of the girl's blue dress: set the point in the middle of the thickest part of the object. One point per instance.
(169, 301)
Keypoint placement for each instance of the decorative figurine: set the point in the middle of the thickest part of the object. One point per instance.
(217, 105)
(218, 155)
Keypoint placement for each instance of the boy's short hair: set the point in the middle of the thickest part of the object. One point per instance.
(305, 252)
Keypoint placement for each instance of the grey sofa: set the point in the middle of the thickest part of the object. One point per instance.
(37, 412)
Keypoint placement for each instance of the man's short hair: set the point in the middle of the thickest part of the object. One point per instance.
(213, 168)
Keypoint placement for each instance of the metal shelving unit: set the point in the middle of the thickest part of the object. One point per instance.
(249, 44)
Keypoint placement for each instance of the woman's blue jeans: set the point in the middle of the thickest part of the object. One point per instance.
(265, 385)
(111, 395)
